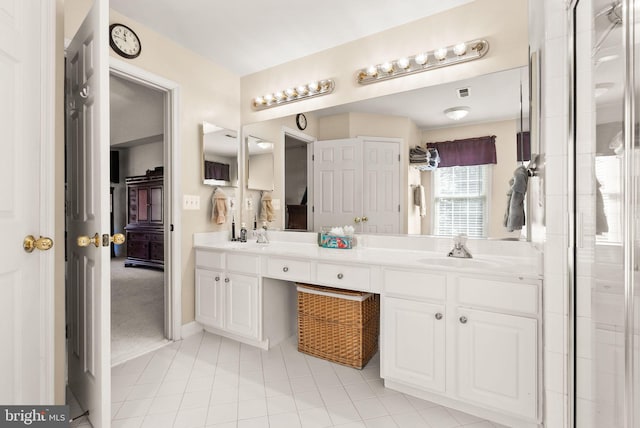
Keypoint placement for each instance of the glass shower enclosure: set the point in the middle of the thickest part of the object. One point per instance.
(606, 222)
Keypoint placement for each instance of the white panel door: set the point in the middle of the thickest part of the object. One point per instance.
(337, 178)
(210, 297)
(413, 347)
(381, 186)
(497, 361)
(26, 208)
(241, 304)
(88, 280)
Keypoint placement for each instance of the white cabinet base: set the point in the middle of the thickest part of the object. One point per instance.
(262, 344)
(442, 400)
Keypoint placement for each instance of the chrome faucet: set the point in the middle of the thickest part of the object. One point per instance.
(459, 249)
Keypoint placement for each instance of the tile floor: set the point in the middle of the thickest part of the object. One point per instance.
(210, 381)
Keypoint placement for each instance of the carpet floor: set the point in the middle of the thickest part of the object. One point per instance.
(137, 310)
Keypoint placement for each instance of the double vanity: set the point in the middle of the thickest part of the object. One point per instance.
(465, 333)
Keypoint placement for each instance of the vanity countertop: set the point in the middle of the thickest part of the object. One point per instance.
(525, 267)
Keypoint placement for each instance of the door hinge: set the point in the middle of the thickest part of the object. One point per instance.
(398, 158)
(171, 228)
(66, 331)
(398, 207)
(313, 158)
(313, 208)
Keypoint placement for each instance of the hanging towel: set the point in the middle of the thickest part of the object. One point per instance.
(419, 199)
(266, 211)
(219, 210)
(514, 215)
(602, 226)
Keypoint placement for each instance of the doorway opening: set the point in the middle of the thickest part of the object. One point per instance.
(298, 173)
(137, 143)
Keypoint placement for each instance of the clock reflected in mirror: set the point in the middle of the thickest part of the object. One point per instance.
(124, 41)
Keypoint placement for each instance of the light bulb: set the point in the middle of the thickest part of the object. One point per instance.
(313, 87)
(440, 54)
(278, 95)
(403, 63)
(290, 92)
(258, 101)
(268, 98)
(421, 58)
(372, 70)
(460, 49)
(302, 90)
(387, 67)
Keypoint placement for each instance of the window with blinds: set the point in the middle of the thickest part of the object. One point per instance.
(460, 200)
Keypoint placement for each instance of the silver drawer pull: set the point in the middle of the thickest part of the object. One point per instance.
(463, 319)
(226, 280)
(217, 278)
(438, 316)
(340, 276)
(285, 269)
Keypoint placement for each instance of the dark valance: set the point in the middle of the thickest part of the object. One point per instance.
(523, 146)
(467, 152)
(216, 171)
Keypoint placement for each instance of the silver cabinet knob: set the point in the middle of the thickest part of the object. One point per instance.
(438, 316)
(217, 278)
(340, 276)
(285, 269)
(226, 280)
(463, 319)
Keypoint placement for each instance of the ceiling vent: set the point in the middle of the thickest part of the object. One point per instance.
(463, 92)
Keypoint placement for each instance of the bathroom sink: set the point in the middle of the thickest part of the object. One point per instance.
(473, 263)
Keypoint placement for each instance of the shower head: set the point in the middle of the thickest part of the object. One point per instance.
(614, 14)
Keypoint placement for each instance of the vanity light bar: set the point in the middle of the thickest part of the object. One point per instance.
(297, 93)
(442, 57)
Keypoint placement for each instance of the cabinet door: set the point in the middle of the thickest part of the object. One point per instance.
(209, 298)
(497, 361)
(241, 308)
(155, 204)
(413, 348)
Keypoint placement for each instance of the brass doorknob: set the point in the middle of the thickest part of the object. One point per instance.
(85, 241)
(365, 219)
(30, 243)
(357, 220)
(117, 239)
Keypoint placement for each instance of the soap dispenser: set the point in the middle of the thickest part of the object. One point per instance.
(243, 232)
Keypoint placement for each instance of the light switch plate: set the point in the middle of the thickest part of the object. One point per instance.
(191, 202)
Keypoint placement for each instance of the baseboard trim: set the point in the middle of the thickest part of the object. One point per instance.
(189, 329)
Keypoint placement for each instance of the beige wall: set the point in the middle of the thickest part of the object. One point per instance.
(508, 40)
(505, 132)
(207, 93)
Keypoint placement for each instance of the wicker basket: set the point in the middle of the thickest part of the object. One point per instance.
(338, 325)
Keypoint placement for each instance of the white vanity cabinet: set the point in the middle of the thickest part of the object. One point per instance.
(472, 339)
(228, 293)
(413, 343)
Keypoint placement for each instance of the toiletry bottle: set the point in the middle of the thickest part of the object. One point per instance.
(243, 232)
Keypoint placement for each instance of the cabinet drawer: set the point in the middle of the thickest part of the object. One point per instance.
(508, 296)
(209, 259)
(415, 284)
(352, 277)
(244, 263)
(137, 236)
(138, 249)
(156, 237)
(156, 251)
(293, 270)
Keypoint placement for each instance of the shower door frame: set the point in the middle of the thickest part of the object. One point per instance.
(629, 202)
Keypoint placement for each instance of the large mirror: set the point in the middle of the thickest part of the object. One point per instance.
(220, 153)
(260, 173)
(494, 108)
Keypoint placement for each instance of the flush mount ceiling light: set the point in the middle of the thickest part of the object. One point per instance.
(602, 88)
(293, 93)
(423, 61)
(264, 144)
(457, 113)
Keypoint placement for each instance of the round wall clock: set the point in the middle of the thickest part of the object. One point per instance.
(124, 41)
(301, 121)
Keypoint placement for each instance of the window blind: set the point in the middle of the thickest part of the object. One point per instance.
(460, 200)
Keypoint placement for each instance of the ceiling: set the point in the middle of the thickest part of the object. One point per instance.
(247, 36)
